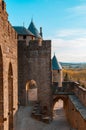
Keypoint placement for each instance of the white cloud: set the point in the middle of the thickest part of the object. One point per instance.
(71, 32)
(70, 50)
(80, 42)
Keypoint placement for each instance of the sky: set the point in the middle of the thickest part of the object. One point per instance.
(63, 22)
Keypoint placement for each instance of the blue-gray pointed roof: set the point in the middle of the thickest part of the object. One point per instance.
(22, 30)
(34, 30)
(55, 64)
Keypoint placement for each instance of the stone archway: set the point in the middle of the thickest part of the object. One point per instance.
(1, 92)
(59, 113)
(31, 92)
(10, 96)
(58, 108)
(63, 98)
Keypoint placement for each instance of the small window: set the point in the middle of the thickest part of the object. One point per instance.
(24, 37)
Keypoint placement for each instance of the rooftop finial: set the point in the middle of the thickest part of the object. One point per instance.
(54, 53)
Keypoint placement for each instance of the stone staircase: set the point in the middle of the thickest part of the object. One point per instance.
(38, 115)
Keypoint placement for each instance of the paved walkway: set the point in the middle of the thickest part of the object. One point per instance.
(25, 122)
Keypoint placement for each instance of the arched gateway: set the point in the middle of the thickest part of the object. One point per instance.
(31, 92)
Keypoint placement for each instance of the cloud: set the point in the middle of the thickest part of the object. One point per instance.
(80, 42)
(66, 33)
(70, 50)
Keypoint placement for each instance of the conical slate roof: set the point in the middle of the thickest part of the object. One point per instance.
(55, 64)
(22, 30)
(34, 30)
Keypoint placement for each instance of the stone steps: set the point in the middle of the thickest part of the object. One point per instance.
(36, 113)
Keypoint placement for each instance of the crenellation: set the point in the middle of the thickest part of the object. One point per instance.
(36, 43)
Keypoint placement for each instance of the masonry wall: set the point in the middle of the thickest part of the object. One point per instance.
(35, 64)
(40, 70)
(23, 71)
(8, 50)
(74, 117)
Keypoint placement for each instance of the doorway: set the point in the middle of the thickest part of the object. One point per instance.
(31, 92)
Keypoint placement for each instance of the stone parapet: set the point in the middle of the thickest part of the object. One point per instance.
(36, 44)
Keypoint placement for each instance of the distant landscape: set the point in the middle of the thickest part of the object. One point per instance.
(73, 65)
(75, 72)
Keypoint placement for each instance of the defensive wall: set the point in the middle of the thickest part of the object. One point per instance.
(8, 71)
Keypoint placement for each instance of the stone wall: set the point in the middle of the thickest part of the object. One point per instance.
(74, 117)
(40, 70)
(35, 64)
(8, 70)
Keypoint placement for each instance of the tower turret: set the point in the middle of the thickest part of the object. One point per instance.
(34, 30)
(56, 71)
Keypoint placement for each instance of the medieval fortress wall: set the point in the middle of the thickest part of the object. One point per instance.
(8, 69)
(35, 64)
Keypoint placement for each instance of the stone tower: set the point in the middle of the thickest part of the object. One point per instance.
(56, 71)
(39, 59)
(34, 64)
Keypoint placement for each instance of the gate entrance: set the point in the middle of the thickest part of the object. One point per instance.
(31, 92)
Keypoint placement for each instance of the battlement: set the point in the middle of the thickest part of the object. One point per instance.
(40, 44)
